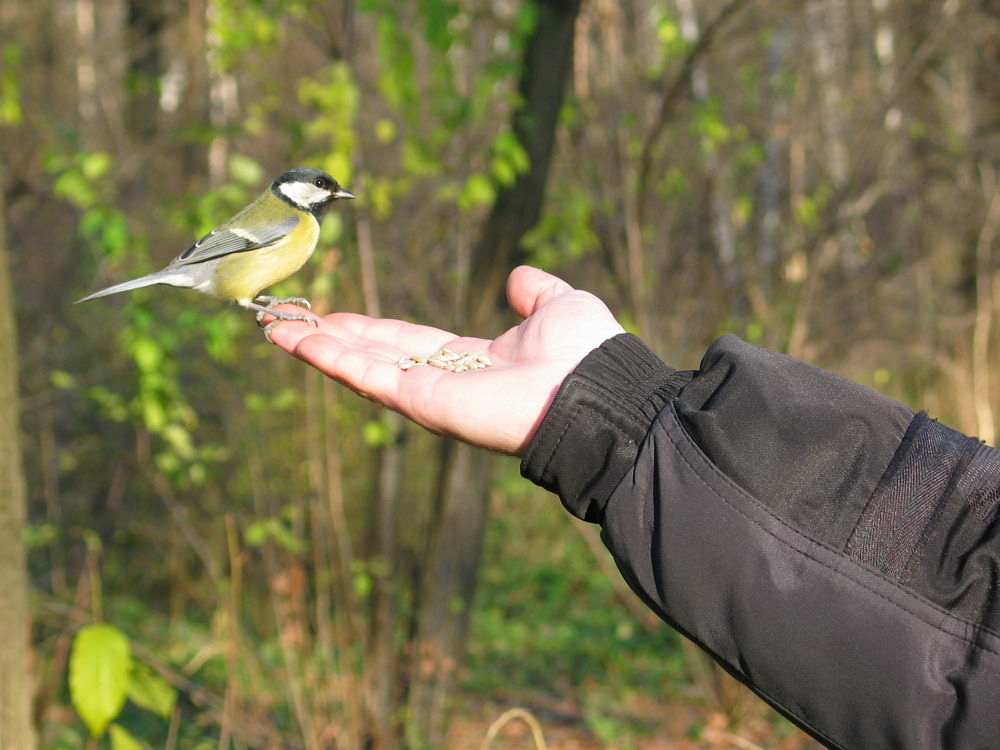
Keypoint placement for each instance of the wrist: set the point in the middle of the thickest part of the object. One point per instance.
(601, 412)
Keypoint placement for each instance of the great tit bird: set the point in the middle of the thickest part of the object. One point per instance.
(264, 243)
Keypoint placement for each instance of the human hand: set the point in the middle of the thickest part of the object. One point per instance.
(498, 407)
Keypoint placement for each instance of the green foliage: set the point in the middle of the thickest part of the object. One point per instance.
(362, 578)
(99, 669)
(708, 123)
(103, 675)
(121, 739)
(565, 231)
(149, 690)
(546, 618)
(333, 95)
(809, 209)
(241, 28)
(442, 101)
(509, 159)
(39, 536)
(84, 179)
(160, 404)
(397, 82)
(377, 432)
(194, 214)
(273, 530)
(12, 55)
(671, 43)
(478, 190)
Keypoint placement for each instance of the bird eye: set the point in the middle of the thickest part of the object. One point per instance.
(320, 182)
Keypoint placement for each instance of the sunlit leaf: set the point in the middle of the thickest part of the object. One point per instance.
(271, 529)
(10, 93)
(122, 739)
(151, 691)
(385, 130)
(375, 433)
(39, 536)
(478, 191)
(99, 669)
(245, 170)
(147, 353)
(95, 165)
(62, 379)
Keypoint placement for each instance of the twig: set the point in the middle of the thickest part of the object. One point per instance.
(508, 716)
(983, 326)
(677, 88)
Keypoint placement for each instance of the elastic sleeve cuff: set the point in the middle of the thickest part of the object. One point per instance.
(590, 435)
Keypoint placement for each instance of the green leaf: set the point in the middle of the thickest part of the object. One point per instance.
(10, 90)
(151, 691)
(478, 191)
(385, 130)
(272, 529)
(147, 354)
(99, 669)
(245, 170)
(95, 165)
(39, 536)
(62, 380)
(122, 739)
(376, 433)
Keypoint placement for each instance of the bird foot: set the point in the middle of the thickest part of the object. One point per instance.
(270, 302)
(268, 309)
(279, 317)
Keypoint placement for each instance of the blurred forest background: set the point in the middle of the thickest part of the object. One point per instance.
(226, 551)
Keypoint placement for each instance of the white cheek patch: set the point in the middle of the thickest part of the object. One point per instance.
(303, 194)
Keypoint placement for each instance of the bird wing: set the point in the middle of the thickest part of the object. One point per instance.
(226, 239)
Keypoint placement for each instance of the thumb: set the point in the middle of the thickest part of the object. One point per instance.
(529, 288)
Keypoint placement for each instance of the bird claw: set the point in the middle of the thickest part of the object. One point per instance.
(288, 316)
(279, 315)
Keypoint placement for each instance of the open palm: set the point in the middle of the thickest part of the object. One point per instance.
(499, 407)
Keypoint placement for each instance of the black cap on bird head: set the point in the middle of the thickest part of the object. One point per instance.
(308, 189)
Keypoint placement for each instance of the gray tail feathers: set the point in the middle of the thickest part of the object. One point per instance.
(158, 277)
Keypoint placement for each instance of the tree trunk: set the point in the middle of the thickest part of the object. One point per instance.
(453, 559)
(16, 730)
(771, 187)
(548, 62)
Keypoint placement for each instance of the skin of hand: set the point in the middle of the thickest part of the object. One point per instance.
(499, 407)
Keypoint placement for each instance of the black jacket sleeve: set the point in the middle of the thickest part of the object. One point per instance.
(834, 550)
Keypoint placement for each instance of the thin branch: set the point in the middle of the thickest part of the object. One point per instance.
(678, 87)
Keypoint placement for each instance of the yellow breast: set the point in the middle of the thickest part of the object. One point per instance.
(242, 276)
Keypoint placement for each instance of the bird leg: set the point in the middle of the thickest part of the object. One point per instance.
(269, 301)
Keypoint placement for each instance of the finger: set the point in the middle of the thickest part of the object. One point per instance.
(386, 330)
(529, 288)
(379, 378)
(405, 338)
(365, 370)
(363, 331)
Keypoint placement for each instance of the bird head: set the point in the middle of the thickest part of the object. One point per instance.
(308, 189)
